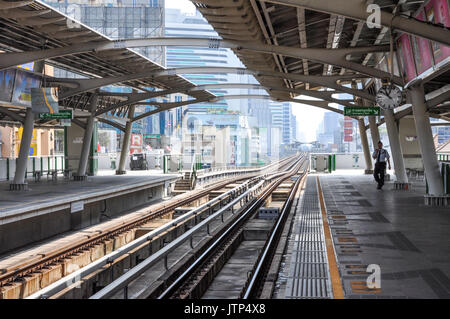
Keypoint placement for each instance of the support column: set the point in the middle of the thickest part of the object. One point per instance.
(126, 142)
(374, 132)
(365, 145)
(84, 157)
(425, 136)
(19, 182)
(397, 154)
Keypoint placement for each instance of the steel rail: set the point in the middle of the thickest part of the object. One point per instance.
(123, 281)
(110, 258)
(58, 254)
(258, 272)
(250, 210)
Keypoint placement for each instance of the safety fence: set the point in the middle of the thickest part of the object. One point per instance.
(37, 166)
(443, 157)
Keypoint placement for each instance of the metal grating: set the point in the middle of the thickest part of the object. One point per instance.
(308, 272)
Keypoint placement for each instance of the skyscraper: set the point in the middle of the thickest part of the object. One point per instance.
(123, 19)
(120, 19)
(282, 118)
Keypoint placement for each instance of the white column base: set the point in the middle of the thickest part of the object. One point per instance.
(442, 201)
(402, 186)
(18, 186)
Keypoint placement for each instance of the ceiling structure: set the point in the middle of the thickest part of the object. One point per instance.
(292, 47)
(317, 24)
(32, 25)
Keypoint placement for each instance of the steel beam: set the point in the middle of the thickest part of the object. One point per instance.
(336, 57)
(85, 85)
(12, 114)
(171, 105)
(4, 5)
(357, 10)
(139, 97)
(112, 123)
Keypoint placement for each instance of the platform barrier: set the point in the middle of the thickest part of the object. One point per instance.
(37, 166)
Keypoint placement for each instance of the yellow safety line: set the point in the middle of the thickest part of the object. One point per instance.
(46, 102)
(336, 284)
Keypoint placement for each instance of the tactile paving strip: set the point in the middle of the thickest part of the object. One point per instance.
(308, 272)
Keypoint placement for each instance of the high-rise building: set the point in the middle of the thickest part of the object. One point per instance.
(120, 19)
(123, 19)
(181, 24)
(233, 114)
(282, 118)
(294, 127)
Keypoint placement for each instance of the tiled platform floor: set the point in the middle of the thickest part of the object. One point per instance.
(393, 229)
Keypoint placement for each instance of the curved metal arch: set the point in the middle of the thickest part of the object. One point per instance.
(134, 98)
(171, 105)
(335, 57)
(85, 85)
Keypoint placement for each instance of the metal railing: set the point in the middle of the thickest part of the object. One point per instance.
(111, 257)
(122, 282)
(36, 165)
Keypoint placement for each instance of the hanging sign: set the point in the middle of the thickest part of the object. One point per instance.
(361, 111)
(61, 115)
(44, 100)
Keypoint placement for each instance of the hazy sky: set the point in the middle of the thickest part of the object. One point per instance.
(308, 117)
(184, 5)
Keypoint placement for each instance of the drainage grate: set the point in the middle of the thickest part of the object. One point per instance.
(308, 272)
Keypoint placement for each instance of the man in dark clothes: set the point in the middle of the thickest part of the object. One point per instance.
(380, 155)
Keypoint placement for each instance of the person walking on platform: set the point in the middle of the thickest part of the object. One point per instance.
(381, 156)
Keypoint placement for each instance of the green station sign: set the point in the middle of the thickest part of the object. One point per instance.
(152, 136)
(362, 111)
(61, 115)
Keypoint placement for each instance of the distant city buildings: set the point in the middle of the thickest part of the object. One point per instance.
(283, 118)
(235, 131)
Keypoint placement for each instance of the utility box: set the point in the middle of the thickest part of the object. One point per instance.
(268, 213)
(321, 162)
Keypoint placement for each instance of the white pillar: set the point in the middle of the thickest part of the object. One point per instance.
(394, 141)
(374, 132)
(365, 145)
(125, 142)
(425, 136)
(82, 165)
(22, 160)
(27, 135)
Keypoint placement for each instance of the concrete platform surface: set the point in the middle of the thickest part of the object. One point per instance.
(49, 193)
(393, 229)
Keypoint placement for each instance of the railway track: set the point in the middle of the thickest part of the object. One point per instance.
(191, 275)
(18, 272)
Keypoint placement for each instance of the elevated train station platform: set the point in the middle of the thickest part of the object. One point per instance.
(344, 238)
(390, 229)
(52, 207)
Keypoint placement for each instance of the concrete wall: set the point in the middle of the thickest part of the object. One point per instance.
(343, 161)
(74, 138)
(410, 144)
(350, 161)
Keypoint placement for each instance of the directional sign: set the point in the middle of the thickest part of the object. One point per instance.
(62, 114)
(361, 111)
